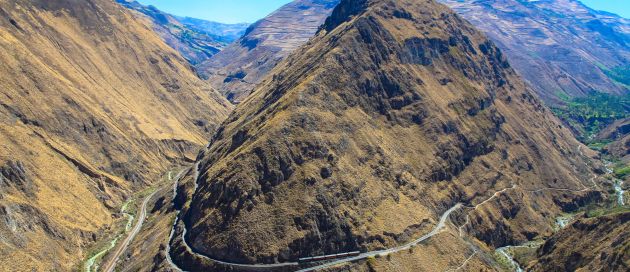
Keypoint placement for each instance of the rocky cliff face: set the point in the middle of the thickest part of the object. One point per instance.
(361, 139)
(93, 105)
(197, 40)
(237, 69)
(560, 47)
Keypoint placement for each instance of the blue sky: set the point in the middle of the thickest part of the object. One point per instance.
(224, 11)
(248, 11)
(620, 7)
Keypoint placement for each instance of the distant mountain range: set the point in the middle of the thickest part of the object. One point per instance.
(225, 33)
(560, 47)
(197, 40)
(243, 64)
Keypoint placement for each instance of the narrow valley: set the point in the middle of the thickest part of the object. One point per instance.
(327, 135)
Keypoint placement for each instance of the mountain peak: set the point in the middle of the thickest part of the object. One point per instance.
(362, 138)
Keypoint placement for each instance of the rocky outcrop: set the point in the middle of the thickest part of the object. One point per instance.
(94, 106)
(560, 47)
(393, 113)
(14, 175)
(237, 69)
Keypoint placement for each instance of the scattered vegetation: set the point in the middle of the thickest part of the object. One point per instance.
(620, 74)
(527, 252)
(371, 262)
(621, 171)
(590, 114)
(598, 144)
(503, 261)
(602, 211)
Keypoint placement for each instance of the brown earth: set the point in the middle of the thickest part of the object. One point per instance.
(237, 69)
(362, 138)
(93, 106)
(558, 46)
(618, 134)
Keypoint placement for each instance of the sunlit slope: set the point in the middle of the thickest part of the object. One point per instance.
(360, 140)
(93, 105)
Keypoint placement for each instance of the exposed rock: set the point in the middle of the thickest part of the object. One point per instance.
(14, 175)
(618, 134)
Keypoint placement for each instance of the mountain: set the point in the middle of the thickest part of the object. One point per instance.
(560, 47)
(590, 244)
(398, 120)
(197, 40)
(617, 138)
(93, 107)
(237, 69)
(226, 33)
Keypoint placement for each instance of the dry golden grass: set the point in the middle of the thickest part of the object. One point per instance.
(93, 106)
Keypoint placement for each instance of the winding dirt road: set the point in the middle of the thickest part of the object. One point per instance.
(110, 265)
(167, 251)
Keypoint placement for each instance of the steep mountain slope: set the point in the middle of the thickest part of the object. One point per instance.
(590, 244)
(617, 136)
(197, 40)
(560, 47)
(368, 135)
(239, 67)
(93, 105)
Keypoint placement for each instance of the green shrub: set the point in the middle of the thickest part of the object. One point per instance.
(590, 114)
(620, 74)
(622, 172)
(371, 262)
